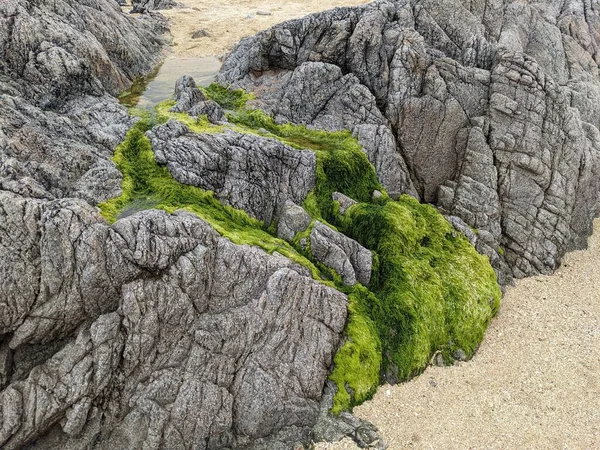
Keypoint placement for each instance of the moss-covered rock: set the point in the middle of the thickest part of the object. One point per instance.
(430, 291)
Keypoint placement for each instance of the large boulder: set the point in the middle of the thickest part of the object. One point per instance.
(490, 112)
(150, 338)
(58, 126)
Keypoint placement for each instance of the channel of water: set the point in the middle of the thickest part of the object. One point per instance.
(159, 85)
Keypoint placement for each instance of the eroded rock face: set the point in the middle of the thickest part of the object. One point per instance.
(346, 256)
(144, 6)
(490, 112)
(191, 100)
(160, 343)
(245, 171)
(58, 126)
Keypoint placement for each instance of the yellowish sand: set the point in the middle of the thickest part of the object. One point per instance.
(228, 21)
(533, 384)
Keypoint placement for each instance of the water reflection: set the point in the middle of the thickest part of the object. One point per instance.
(159, 85)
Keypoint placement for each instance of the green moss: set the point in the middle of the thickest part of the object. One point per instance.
(436, 291)
(358, 362)
(228, 98)
(198, 124)
(430, 290)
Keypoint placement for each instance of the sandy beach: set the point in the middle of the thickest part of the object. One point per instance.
(228, 21)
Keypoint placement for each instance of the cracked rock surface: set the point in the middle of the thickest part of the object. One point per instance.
(164, 334)
(245, 171)
(490, 112)
(346, 256)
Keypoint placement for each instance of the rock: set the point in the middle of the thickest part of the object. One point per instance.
(457, 121)
(191, 100)
(187, 94)
(145, 6)
(200, 34)
(459, 355)
(139, 334)
(58, 126)
(344, 201)
(175, 337)
(330, 428)
(347, 257)
(245, 171)
(293, 220)
(376, 194)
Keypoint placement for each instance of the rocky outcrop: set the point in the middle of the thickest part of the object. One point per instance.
(58, 126)
(490, 112)
(347, 257)
(293, 220)
(150, 338)
(153, 332)
(191, 100)
(63, 49)
(245, 171)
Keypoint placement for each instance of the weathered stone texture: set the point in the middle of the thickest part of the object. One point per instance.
(487, 109)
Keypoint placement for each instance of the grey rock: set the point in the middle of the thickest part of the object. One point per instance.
(293, 220)
(156, 322)
(347, 257)
(344, 201)
(58, 126)
(187, 94)
(490, 113)
(459, 355)
(145, 6)
(154, 332)
(245, 171)
(200, 34)
(191, 100)
(330, 428)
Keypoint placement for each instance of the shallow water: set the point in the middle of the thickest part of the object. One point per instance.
(159, 86)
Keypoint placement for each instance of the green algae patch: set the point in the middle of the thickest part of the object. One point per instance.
(357, 364)
(436, 292)
(162, 113)
(227, 98)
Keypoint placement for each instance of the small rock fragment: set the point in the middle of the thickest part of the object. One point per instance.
(200, 34)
